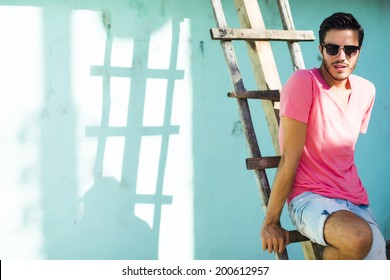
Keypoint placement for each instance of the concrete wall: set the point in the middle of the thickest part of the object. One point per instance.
(117, 140)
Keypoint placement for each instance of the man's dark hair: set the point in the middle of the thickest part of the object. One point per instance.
(340, 21)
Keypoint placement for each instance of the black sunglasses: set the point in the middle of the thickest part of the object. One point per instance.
(332, 49)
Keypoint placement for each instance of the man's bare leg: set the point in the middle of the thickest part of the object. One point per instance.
(349, 237)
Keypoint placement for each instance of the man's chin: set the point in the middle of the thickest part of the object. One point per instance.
(337, 76)
(340, 78)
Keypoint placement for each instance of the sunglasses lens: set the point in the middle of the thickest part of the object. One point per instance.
(332, 49)
(349, 50)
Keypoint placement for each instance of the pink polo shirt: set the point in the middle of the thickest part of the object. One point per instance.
(327, 163)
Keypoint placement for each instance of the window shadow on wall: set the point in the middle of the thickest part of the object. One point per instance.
(106, 226)
(225, 203)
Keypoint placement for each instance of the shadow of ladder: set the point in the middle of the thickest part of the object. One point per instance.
(131, 156)
(254, 33)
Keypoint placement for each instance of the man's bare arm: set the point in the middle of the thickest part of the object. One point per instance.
(275, 238)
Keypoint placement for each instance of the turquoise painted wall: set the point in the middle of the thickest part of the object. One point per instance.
(117, 140)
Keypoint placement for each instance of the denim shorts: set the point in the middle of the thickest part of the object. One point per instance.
(309, 211)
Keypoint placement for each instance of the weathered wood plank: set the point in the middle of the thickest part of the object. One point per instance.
(262, 162)
(263, 64)
(288, 24)
(273, 95)
(238, 84)
(261, 34)
(245, 116)
(262, 58)
(311, 251)
(296, 236)
(250, 17)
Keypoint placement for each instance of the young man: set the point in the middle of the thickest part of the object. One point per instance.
(322, 113)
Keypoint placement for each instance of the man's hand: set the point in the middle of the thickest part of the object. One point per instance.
(274, 238)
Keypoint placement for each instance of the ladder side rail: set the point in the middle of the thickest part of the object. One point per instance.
(288, 24)
(246, 119)
(260, 54)
(263, 64)
(311, 250)
(266, 75)
(238, 84)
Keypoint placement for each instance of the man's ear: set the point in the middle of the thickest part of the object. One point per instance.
(321, 48)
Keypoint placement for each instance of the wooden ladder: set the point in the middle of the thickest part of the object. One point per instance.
(257, 39)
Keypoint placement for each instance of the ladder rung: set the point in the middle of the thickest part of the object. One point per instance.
(262, 162)
(296, 236)
(272, 95)
(261, 34)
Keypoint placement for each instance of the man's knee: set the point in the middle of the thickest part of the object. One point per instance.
(361, 242)
(348, 233)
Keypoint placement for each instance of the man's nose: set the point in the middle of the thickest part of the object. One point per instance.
(341, 53)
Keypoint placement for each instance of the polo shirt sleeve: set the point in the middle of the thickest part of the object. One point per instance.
(297, 96)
